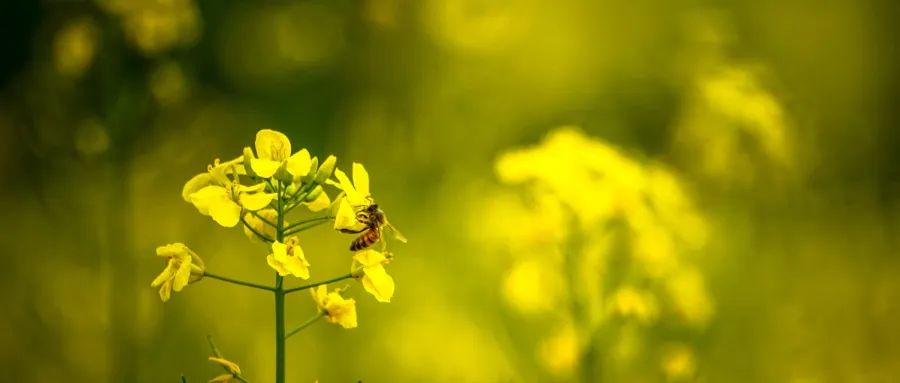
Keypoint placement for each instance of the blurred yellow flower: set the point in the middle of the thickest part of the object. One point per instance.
(273, 151)
(335, 307)
(678, 362)
(232, 368)
(182, 267)
(559, 353)
(225, 203)
(288, 258)
(368, 268)
(260, 226)
(533, 286)
(74, 46)
(628, 302)
(690, 300)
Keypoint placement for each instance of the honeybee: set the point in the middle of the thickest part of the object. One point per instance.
(373, 217)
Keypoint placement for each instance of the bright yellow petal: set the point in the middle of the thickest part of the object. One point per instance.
(227, 364)
(226, 213)
(272, 145)
(256, 201)
(264, 168)
(224, 378)
(299, 164)
(369, 258)
(165, 275)
(344, 183)
(321, 202)
(378, 283)
(342, 311)
(182, 276)
(319, 294)
(360, 179)
(196, 183)
(296, 263)
(276, 265)
(207, 196)
(165, 291)
(345, 218)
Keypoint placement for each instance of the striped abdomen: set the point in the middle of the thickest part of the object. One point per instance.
(366, 239)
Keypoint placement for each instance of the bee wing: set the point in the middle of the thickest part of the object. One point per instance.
(397, 234)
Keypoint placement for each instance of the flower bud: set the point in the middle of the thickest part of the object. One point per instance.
(248, 155)
(326, 169)
(283, 175)
(312, 195)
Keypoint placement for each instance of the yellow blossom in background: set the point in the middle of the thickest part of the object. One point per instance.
(678, 362)
(260, 226)
(232, 368)
(560, 352)
(288, 259)
(628, 302)
(336, 308)
(182, 267)
(368, 267)
(75, 46)
(155, 26)
(273, 151)
(532, 286)
(690, 300)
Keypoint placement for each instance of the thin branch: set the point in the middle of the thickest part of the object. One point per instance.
(217, 354)
(306, 324)
(260, 235)
(256, 214)
(309, 286)
(237, 282)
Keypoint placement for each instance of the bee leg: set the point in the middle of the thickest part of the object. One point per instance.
(349, 231)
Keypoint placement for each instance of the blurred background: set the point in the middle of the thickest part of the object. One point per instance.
(593, 190)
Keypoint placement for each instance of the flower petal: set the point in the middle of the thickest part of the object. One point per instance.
(207, 196)
(299, 164)
(182, 276)
(378, 283)
(196, 183)
(345, 185)
(272, 145)
(256, 201)
(226, 213)
(360, 179)
(264, 168)
(345, 218)
(165, 275)
(276, 265)
(165, 291)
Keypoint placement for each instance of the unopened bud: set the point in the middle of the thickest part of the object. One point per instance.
(326, 169)
(312, 195)
(248, 155)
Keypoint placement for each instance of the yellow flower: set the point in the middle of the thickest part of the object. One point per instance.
(335, 307)
(628, 302)
(273, 151)
(183, 266)
(287, 258)
(317, 200)
(232, 368)
(225, 203)
(216, 174)
(678, 362)
(357, 191)
(255, 223)
(368, 268)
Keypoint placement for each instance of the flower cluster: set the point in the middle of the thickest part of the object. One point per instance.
(601, 246)
(261, 190)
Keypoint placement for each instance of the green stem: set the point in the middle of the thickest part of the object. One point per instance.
(237, 282)
(311, 285)
(258, 234)
(304, 325)
(304, 223)
(279, 295)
